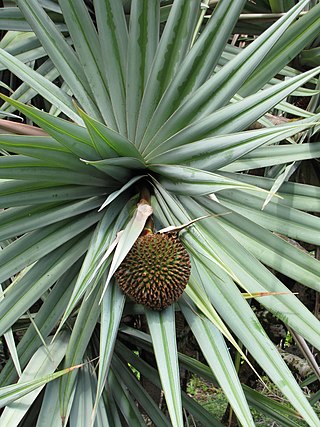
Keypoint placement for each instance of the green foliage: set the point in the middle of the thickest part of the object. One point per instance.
(214, 400)
(148, 104)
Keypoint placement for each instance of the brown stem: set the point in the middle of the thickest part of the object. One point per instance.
(145, 195)
(145, 198)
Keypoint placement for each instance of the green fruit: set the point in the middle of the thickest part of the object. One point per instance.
(156, 270)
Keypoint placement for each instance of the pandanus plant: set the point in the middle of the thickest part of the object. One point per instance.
(140, 172)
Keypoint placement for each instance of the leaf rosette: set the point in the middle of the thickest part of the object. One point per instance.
(139, 95)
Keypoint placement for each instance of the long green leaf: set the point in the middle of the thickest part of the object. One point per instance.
(277, 411)
(60, 52)
(127, 239)
(42, 148)
(37, 280)
(283, 174)
(113, 37)
(81, 333)
(102, 416)
(17, 221)
(108, 142)
(162, 330)
(112, 196)
(9, 338)
(240, 265)
(40, 84)
(197, 294)
(262, 403)
(298, 36)
(238, 314)
(298, 196)
(45, 320)
(37, 373)
(218, 357)
(87, 45)
(220, 88)
(49, 415)
(25, 46)
(113, 412)
(198, 63)
(119, 168)
(277, 155)
(269, 248)
(139, 392)
(174, 43)
(101, 240)
(22, 193)
(252, 273)
(216, 152)
(75, 138)
(142, 45)
(111, 313)
(152, 374)
(26, 168)
(81, 410)
(30, 247)
(125, 401)
(169, 211)
(186, 180)
(10, 342)
(232, 118)
(11, 19)
(275, 217)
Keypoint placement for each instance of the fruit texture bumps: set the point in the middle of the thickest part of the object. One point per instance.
(156, 270)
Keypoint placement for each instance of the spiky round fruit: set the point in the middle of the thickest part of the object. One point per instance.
(156, 270)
